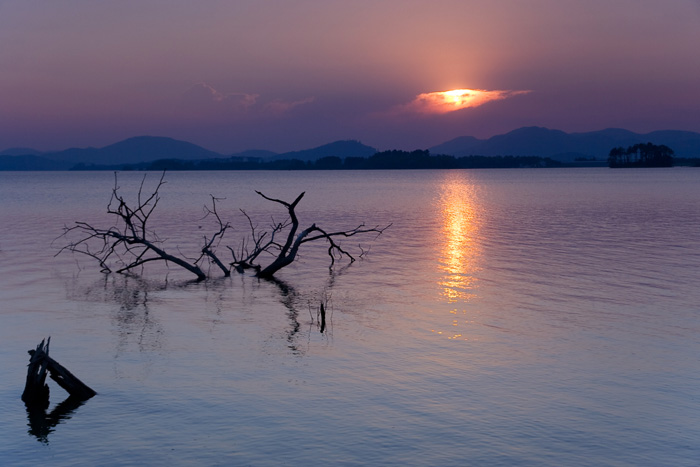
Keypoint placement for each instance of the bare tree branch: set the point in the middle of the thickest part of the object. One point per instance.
(208, 249)
(130, 243)
(288, 252)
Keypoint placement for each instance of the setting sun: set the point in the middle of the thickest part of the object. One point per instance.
(440, 102)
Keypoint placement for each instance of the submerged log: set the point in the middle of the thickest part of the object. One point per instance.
(36, 391)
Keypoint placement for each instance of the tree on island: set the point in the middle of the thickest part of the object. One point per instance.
(130, 243)
(641, 155)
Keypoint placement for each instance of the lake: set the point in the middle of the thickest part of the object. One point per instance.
(535, 317)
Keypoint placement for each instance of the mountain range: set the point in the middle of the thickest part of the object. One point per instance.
(566, 147)
(143, 149)
(526, 141)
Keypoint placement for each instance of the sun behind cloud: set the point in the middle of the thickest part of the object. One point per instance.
(441, 102)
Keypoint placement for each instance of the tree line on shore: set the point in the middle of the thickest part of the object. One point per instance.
(393, 159)
(637, 155)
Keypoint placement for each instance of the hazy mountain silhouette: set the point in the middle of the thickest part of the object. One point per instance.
(527, 141)
(134, 150)
(342, 149)
(462, 145)
(151, 148)
(253, 154)
(543, 142)
(19, 152)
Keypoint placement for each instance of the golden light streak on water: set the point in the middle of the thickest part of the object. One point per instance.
(459, 250)
(460, 247)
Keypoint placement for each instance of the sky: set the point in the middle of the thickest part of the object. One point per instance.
(286, 75)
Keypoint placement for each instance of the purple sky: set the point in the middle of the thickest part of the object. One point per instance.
(293, 74)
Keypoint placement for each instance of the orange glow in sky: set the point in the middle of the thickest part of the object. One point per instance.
(441, 102)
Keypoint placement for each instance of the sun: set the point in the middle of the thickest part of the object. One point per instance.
(459, 96)
(441, 102)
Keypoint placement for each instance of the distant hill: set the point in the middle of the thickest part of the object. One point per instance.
(340, 149)
(253, 154)
(134, 150)
(139, 152)
(462, 145)
(19, 152)
(146, 149)
(543, 142)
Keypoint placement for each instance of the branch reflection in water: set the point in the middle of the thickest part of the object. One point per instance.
(133, 323)
(41, 424)
(294, 300)
(460, 215)
(136, 328)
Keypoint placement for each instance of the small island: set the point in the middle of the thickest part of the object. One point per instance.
(641, 155)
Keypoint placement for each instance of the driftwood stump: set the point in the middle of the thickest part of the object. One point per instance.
(323, 318)
(36, 391)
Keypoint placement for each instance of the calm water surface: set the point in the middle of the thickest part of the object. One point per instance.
(508, 317)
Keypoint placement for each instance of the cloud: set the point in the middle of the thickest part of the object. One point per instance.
(204, 99)
(442, 102)
(278, 107)
(202, 95)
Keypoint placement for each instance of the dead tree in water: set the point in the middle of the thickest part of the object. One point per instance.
(131, 243)
(285, 253)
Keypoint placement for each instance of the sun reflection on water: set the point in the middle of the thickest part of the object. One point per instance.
(459, 249)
